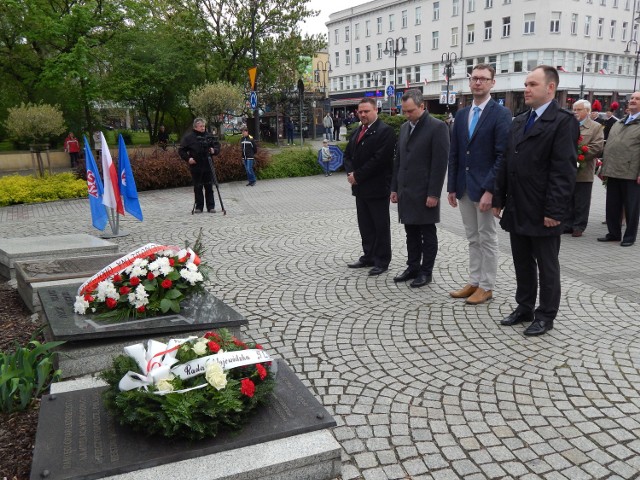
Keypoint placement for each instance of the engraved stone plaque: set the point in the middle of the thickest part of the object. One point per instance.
(77, 438)
(201, 311)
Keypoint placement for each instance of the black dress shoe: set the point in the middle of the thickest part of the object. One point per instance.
(408, 274)
(538, 327)
(377, 270)
(516, 318)
(626, 244)
(608, 238)
(421, 280)
(359, 264)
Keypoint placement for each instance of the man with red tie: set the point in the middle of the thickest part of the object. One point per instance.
(368, 160)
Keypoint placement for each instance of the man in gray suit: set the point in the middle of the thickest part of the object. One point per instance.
(418, 176)
(478, 142)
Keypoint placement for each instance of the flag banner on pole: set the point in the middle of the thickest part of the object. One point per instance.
(111, 197)
(99, 217)
(127, 183)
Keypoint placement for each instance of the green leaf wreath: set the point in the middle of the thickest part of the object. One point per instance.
(197, 413)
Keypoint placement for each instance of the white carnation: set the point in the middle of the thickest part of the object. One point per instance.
(191, 277)
(106, 289)
(80, 306)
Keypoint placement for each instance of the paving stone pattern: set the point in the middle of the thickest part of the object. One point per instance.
(421, 385)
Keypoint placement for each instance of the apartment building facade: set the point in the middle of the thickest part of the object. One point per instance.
(593, 43)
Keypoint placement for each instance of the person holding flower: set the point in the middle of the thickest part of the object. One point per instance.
(590, 145)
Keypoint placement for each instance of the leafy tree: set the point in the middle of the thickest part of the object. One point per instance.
(34, 123)
(214, 100)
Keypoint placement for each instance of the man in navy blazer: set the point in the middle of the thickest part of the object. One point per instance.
(478, 142)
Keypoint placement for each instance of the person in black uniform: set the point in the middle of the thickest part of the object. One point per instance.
(195, 148)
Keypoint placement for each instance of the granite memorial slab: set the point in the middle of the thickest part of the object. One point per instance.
(77, 438)
(31, 275)
(48, 247)
(201, 311)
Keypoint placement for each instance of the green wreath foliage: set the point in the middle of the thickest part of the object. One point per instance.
(195, 414)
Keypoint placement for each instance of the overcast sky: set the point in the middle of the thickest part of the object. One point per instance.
(326, 7)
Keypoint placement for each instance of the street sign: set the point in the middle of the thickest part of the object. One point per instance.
(390, 90)
(253, 100)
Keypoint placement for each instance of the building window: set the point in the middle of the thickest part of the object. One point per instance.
(357, 55)
(379, 24)
(625, 28)
(341, 83)
(346, 34)
(529, 23)
(587, 25)
(574, 24)
(488, 3)
(356, 31)
(418, 15)
(517, 62)
(435, 40)
(405, 19)
(493, 61)
(436, 11)
(347, 57)
(615, 3)
(435, 72)
(506, 27)
(603, 3)
(626, 4)
(337, 36)
(391, 20)
(488, 30)
(337, 60)
(554, 27)
(471, 33)
(368, 52)
(600, 27)
(367, 28)
(379, 47)
(418, 43)
(455, 8)
(506, 2)
(454, 37)
(612, 30)
(416, 74)
(471, 6)
(504, 63)
(469, 63)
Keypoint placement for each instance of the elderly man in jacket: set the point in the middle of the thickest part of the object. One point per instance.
(590, 145)
(418, 177)
(622, 170)
(534, 186)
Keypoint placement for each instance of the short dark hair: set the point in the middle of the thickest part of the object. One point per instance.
(550, 74)
(370, 101)
(485, 66)
(415, 95)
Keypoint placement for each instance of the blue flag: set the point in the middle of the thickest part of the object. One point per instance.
(126, 182)
(99, 216)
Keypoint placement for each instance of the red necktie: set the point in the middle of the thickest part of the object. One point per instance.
(363, 130)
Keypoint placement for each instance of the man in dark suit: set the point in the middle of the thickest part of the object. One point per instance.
(368, 161)
(478, 142)
(418, 176)
(534, 187)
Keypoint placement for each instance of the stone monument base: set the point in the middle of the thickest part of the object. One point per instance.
(287, 439)
(49, 247)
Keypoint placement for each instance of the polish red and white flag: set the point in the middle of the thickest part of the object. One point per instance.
(111, 197)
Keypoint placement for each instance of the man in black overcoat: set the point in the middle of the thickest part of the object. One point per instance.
(368, 162)
(534, 186)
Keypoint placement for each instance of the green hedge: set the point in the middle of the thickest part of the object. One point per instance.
(299, 162)
(16, 189)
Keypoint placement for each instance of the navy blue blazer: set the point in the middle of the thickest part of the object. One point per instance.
(473, 162)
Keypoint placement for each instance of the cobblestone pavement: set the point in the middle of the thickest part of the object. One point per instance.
(421, 385)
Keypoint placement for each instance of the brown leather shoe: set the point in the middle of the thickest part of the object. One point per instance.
(464, 292)
(480, 296)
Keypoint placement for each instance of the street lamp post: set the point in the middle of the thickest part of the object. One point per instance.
(395, 47)
(637, 52)
(322, 69)
(449, 59)
(584, 56)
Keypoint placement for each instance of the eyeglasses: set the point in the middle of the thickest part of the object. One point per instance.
(479, 80)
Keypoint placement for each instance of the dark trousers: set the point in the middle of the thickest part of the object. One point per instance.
(73, 156)
(537, 258)
(623, 194)
(203, 181)
(580, 206)
(422, 247)
(375, 230)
